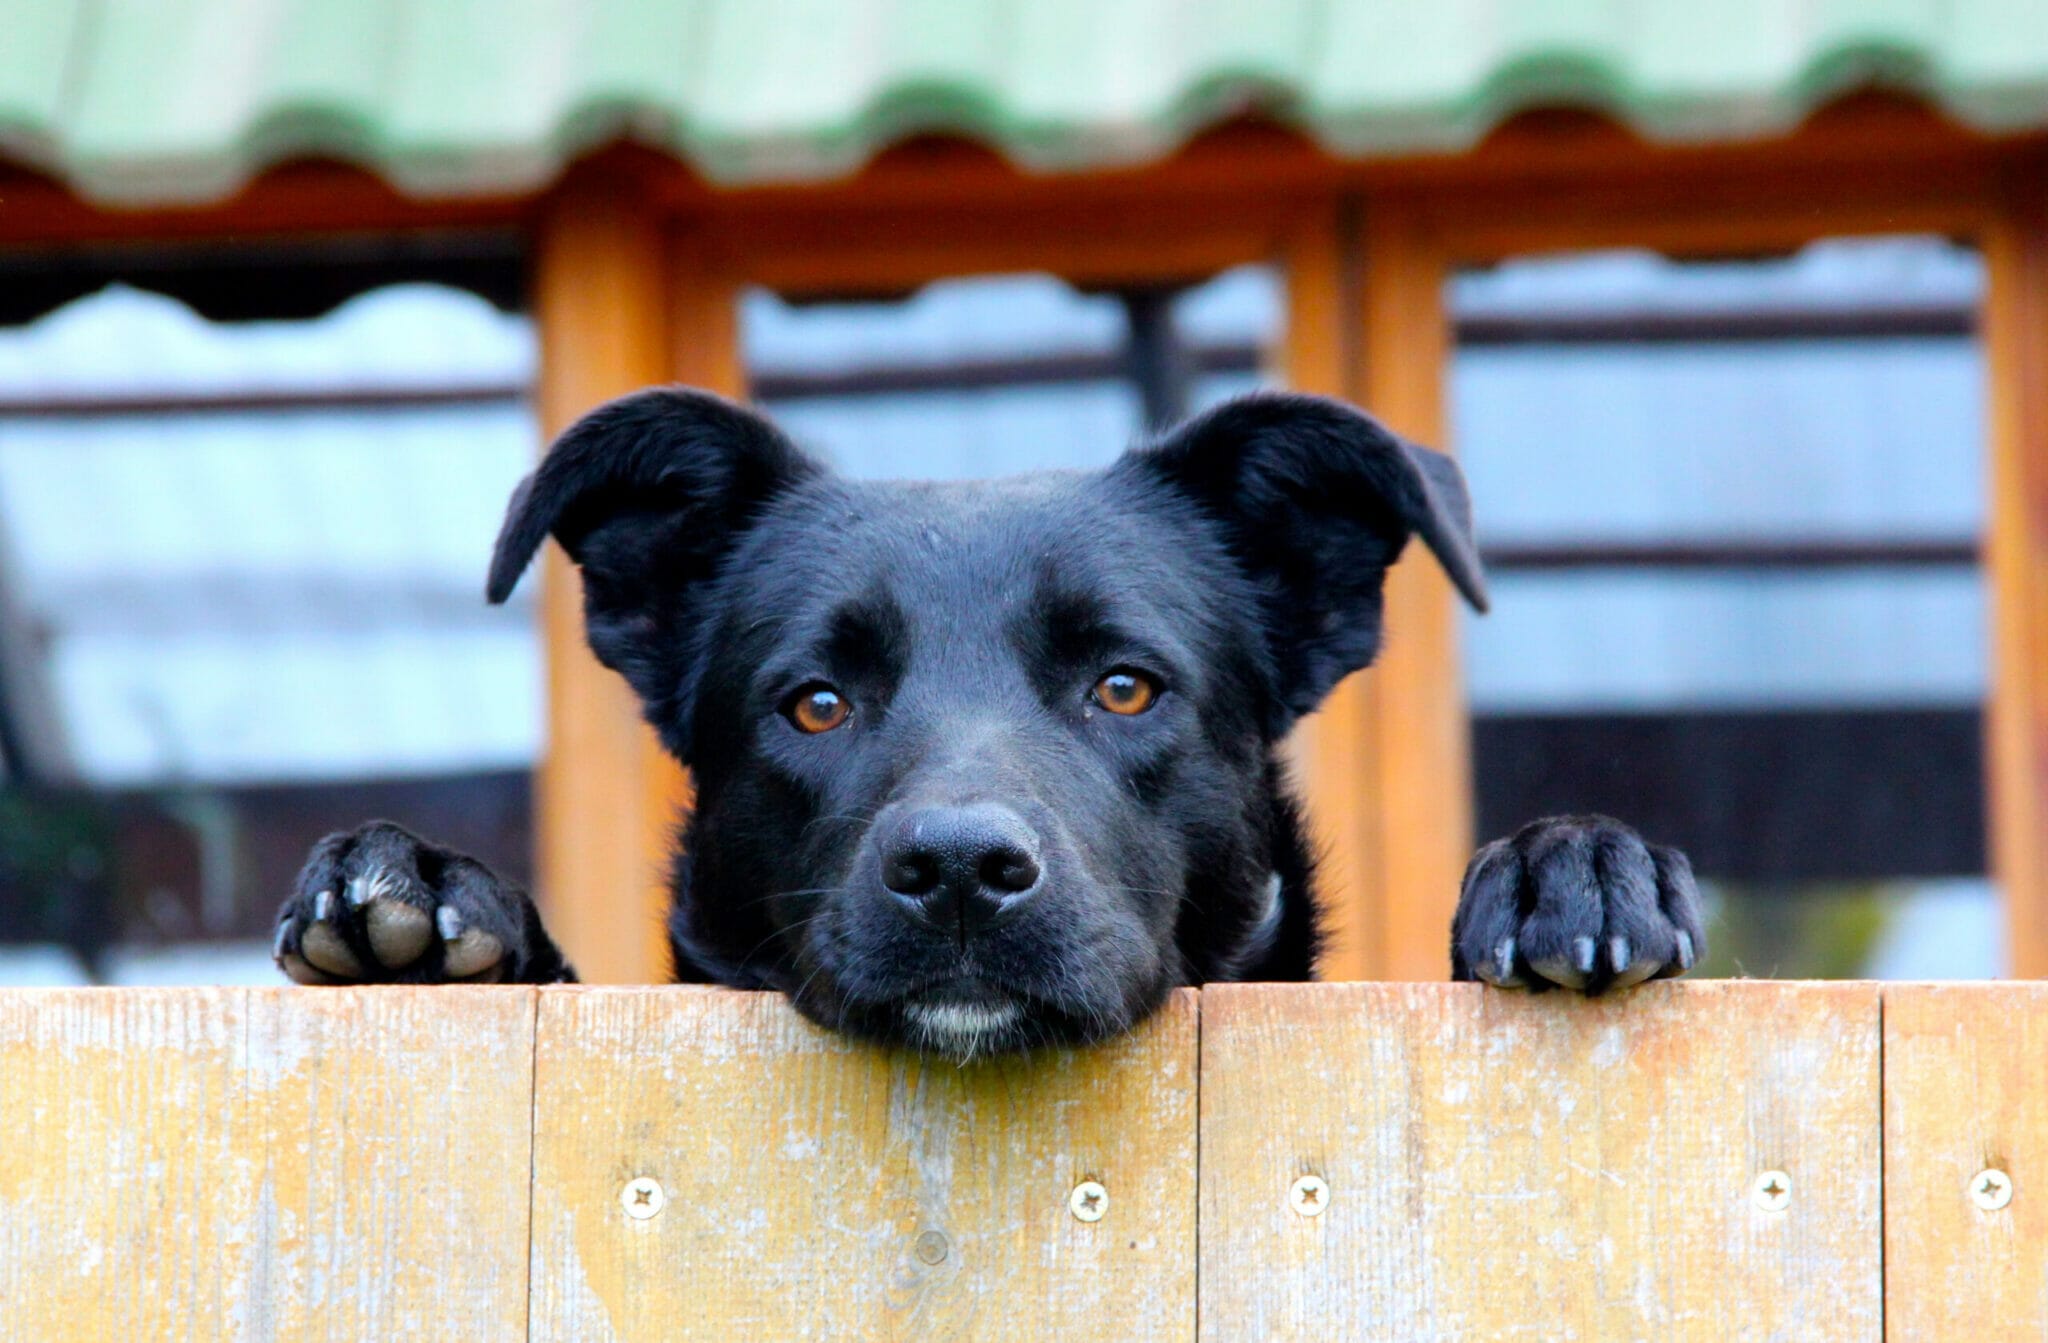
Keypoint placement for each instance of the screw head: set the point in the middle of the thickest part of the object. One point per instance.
(1309, 1196)
(931, 1248)
(642, 1198)
(1991, 1189)
(1772, 1191)
(1088, 1201)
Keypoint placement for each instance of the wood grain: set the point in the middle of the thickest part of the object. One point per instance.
(606, 795)
(226, 1163)
(1965, 1090)
(1384, 762)
(2016, 560)
(1419, 743)
(1330, 751)
(804, 1174)
(124, 1183)
(1508, 1166)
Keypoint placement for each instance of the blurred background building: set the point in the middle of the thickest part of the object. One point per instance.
(1734, 483)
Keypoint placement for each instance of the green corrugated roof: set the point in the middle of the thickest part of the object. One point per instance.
(176, 100)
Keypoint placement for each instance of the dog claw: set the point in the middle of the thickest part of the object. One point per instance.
(398, 932)
(1582, 955)
(324, 948)
(1627, 970)
(323, 907)
(1685, 951)
(1503, 968)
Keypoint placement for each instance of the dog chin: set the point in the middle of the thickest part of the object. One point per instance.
(963, 1030)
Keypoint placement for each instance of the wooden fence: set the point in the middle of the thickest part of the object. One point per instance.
(1719, 1160)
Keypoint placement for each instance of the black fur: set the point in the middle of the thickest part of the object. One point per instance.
(983, 856)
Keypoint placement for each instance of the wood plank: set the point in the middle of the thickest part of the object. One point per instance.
(1330, 750)
(1503, 1165)
(1418, 737)
(818, 1188)
(123, 1192)
(1385, 764)
(395, 1131)
(269, 1163)
(807, 253)
(2016, 361)
(1964, 1093)
(606, 794)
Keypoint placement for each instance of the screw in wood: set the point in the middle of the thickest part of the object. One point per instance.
(1772, 1191)
(642, 1198)
(1309, 1196)
(1088, 1201)
(1991, 1189)
(931, 1248)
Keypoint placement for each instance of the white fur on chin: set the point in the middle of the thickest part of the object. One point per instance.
(960, 1028)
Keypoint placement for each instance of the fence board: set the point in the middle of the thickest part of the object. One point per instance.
(218, 1163)
(1506, 1166)
(224, 1163)
(819, 1189)
(121, 1170)
(1966, 1090)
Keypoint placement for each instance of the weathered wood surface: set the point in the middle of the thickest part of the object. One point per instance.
(448, 1163)
(264, 1163)
(818, 1189)
(1966, 1094)
(1512, 1166)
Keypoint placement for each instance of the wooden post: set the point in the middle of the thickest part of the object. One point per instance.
(617, 311)
(1386, 763)
(2016, 357)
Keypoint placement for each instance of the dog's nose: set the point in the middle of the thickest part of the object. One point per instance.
(961, 866)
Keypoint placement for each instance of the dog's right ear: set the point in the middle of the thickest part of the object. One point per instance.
(648, 494)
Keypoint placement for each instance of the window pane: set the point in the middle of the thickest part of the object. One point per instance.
(1732, 512)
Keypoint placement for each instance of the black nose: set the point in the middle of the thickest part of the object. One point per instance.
(961, 866)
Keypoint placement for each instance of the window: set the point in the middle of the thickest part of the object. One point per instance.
(1732, 513)
(242, 567)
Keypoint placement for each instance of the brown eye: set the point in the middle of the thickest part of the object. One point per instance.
(818, 708)
(1126, 692)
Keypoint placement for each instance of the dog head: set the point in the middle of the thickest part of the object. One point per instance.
(980, 765)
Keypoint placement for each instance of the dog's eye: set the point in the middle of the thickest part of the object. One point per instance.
(1125, 692)
(818, 708)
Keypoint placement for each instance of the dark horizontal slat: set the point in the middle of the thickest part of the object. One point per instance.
(1897, 322)
(287, 399)
(962, 375)
(1732, 554)
(1763, 795)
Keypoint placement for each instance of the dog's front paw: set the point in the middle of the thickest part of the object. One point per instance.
(379, 905)
(1578, 902)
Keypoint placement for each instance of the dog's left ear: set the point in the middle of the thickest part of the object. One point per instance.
(649, 495)
(1317, 500)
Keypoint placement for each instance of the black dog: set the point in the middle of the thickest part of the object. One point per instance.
(981, 766)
